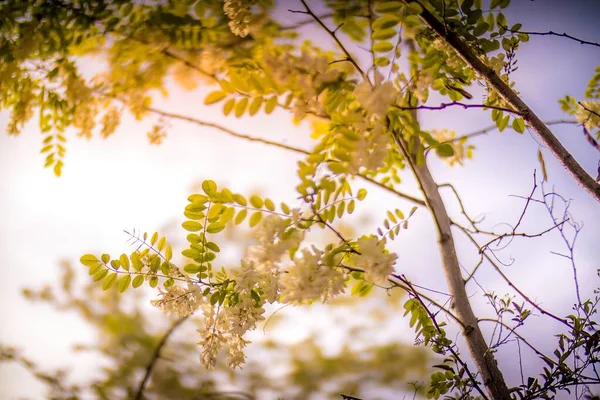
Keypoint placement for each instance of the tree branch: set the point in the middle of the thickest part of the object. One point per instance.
(457, 103)
(551, 33)
(140, 391)
(545, 135)
(478, 348)
(337, 40)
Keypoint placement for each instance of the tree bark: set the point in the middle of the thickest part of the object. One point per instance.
(546, 136)
(480, 352)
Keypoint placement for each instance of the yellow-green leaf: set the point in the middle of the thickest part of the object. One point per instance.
(215, 97)
(89, 260)
(240, 107)
(124, 262)
(241, 216)
(209, 187)
(255, 219)
(383, 47)
(215, 227)
(137, 281)
(124, 282)
(109, 281)
(270, 104)
(362, 193)
(255, 105)
(519, 125)
(256, 201)
(192, 226)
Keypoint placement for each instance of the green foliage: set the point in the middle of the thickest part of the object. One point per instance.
(363, 122)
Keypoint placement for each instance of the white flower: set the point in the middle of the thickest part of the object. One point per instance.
(370, 150)
(376, 100)
(309, 280)
(275, 238)
(178, 300)
(236, 352)
(244, 315)
(373, 259)
(239, 14)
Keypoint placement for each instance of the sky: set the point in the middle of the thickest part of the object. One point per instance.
(123, 182)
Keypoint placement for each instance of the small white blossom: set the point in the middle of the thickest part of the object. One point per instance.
(236, 352)
(308, 280)
(373, 259)
(179, 300)
(238, 12)
(376, 100)
(370, 150)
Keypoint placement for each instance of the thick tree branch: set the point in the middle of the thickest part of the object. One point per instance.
(530, 118)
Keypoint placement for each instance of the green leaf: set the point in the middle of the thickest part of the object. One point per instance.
(388, 7)
(153, 281)
(384, 34)
(240, 107)
(98, 276)
(215, 227)
(255, 105)
(213, 246)
(124, 262)
(192, 269)
(362, 193)
(169, 253)
(137, 281)
(270, 104)
(444, 150)
(228, 106)
(124, 282)
(386, 21)
(269, 205)
(192, 226)
(481, 29)
(209, 187)
(241, 216)
(255, 219)
(109, 281)
(518, 125)
(351, 205)
(382, 47)
(256, 201)
(89, 260)
(215, 97)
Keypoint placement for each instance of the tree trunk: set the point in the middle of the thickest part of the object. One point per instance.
(480, 352)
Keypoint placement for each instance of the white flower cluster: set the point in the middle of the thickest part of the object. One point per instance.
(308, 279)
(370, 150)
(377, 99)
(377, 264)
(178, 300)
(238, 12)
(305, 73)
(259, 279)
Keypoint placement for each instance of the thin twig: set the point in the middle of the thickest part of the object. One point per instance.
(337, 40)
(459, 104)
(552, 33)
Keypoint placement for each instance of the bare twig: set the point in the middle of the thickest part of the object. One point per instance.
(552, 33)
(459, 104)
(331, 33)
